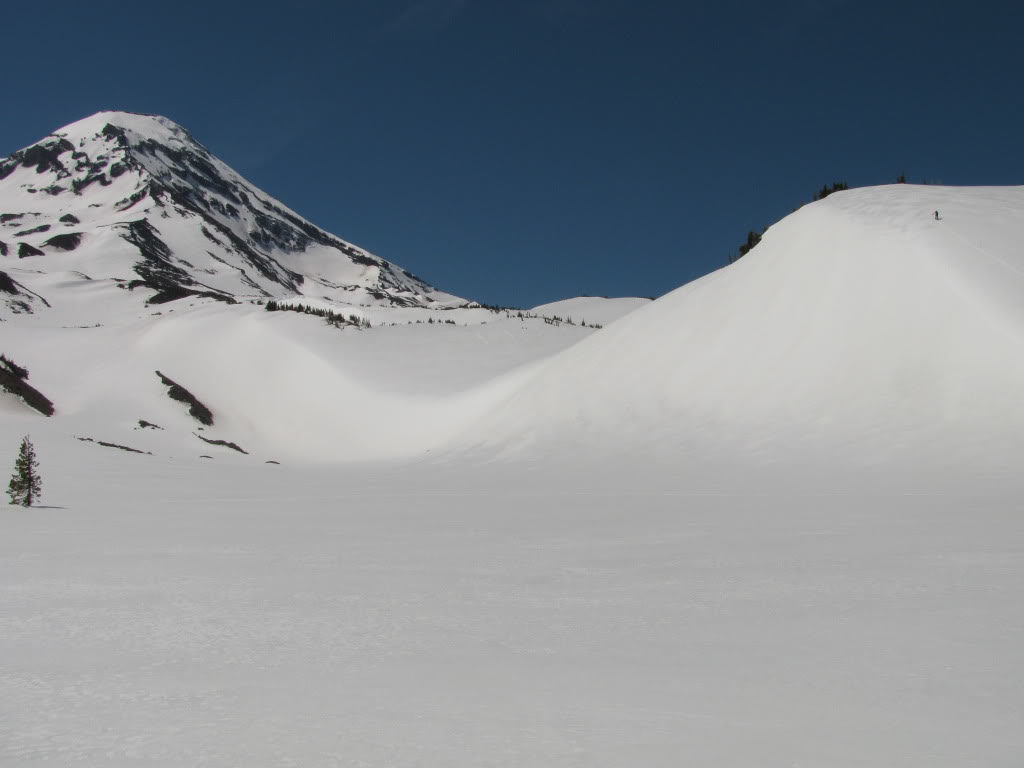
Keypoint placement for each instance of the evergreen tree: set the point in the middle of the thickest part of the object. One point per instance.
(25, 485)
(826, 190)
(753, 238)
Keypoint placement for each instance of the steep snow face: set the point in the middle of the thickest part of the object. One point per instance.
(859, 319)
(136, 199)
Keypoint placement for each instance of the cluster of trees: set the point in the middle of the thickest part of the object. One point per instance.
(337, 319)
(826, 190)
(554, 319)
(480, 305)
(902, 179)
(754, 236)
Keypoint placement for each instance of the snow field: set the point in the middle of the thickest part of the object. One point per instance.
(169, 612)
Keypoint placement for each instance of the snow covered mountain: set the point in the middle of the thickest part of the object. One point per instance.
(861, 321)
(135, 274)
(135, 199)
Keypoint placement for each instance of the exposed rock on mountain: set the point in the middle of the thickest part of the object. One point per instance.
(137, 198)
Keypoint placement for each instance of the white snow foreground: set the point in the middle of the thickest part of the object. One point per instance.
(772, 518)
(174, 613)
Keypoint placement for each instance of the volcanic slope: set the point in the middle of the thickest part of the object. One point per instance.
(861, 322)
(137, 200)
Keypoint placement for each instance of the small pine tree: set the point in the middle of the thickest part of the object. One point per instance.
(25, 485)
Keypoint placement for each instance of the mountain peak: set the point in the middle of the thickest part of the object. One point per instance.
(152, 126)
(138, 199)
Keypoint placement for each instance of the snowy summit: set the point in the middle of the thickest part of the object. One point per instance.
(136, 198)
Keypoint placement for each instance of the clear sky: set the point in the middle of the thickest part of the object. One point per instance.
(523, 151)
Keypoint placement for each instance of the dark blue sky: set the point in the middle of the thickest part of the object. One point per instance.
(521, 152)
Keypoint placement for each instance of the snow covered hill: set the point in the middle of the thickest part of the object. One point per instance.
(860, 321)
(136, 200)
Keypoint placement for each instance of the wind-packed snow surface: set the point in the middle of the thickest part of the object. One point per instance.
(772, 518)
(172, 613)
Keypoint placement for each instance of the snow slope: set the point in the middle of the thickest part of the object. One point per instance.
(859, 322)
(281, 385)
